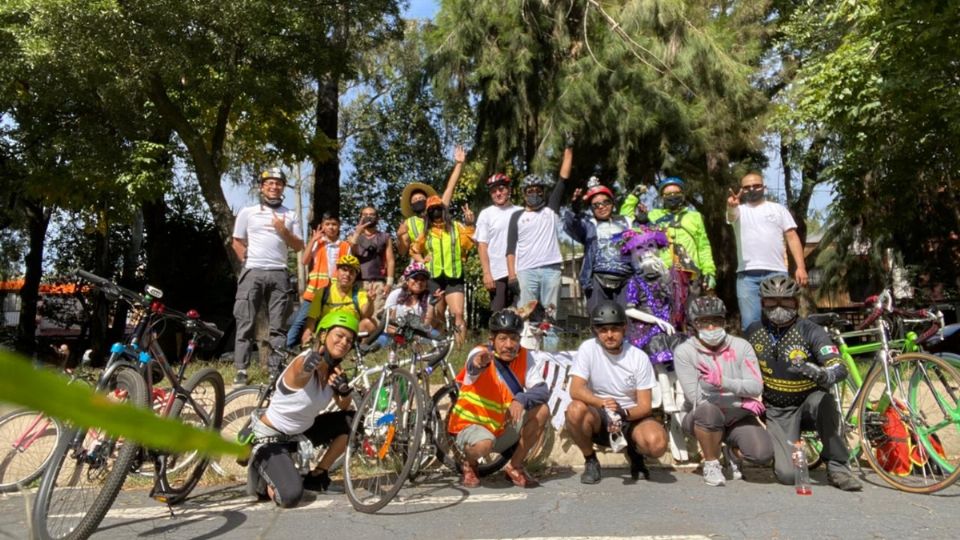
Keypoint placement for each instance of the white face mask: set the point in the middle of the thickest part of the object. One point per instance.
(712, 337)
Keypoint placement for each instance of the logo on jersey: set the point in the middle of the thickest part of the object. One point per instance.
(829, 349)
(758, 347)
(797, 356)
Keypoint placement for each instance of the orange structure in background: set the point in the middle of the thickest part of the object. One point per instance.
(14, 286)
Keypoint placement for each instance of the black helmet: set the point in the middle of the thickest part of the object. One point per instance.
(706, 306)
(608, 312)
(779, 287)
(505, 321)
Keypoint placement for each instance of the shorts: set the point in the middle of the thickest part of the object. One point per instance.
(475, 433)
(448, 284)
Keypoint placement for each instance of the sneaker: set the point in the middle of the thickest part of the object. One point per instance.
(844, 480)
(713, 473)
(732, 463)
(240, 378)
(637, 465)
(591, 471)
(470, 478)
(317, 482)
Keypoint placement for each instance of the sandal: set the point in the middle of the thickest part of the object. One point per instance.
(520, 477)
(470, 478)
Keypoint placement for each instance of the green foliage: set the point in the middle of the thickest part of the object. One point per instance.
(78, 404)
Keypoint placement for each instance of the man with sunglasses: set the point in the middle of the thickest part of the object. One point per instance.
(799, 364)
(491, 239)
(605, 270)
(762, 228)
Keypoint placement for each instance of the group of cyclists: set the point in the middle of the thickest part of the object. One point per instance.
(648, 277)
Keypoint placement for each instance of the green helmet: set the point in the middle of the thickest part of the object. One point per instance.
(340, 318)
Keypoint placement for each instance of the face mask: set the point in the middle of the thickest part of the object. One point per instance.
(752, 196)
(780, 316)
(641, 217)
(435, 213)
(712, 337)
(418, 207)
(673, 201)
(271, 202)
(534, 200)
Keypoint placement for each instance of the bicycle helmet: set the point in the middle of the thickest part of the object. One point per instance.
(434, 200)
(779, 287)
(608, 312)
(415, 269)
(498, 179)
(671, 181)
(505, 321)
(704, 307)
(340, 318)
(594, 188)
(275, 173)
(533, 180)
(349, 261)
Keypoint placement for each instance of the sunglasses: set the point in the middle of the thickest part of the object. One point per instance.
(602, 204)
(790, 303)
(753, 187)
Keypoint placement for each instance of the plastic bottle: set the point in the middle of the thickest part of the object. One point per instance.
(801, 472)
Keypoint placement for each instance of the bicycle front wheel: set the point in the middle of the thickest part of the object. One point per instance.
(86, 472)
(384, 441)
(237, 410)
(28, 439)
(911, 432)
(204, 410)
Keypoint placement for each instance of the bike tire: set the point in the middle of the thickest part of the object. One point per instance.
(384, 443)
(206, 389)
(54, 517)
(238, 407)
(443, 402)
(24, 463)
(924, 387)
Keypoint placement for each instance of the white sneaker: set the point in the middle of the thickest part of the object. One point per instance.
(713, 473)
(733, 463)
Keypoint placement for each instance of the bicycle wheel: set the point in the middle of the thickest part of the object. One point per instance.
(86, 472)
(384, 441)
(443, 402)
(238, 406)
(28, 439)
(812, 448)
(911, 434)
(181, 472)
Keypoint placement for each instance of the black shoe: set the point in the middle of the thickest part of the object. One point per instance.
(317, 482)
(591, 471)
(240, 378)
(844, 480)
(637, 465)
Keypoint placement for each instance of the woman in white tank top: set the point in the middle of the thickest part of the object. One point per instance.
(305, 388)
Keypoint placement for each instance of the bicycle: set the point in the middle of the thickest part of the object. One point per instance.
(89, 467)
(905, 386)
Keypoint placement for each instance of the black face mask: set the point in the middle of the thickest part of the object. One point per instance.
(534, 200)
(271, 202)
(435, 213)
(419, 206)
(752, 196)
(673, 201)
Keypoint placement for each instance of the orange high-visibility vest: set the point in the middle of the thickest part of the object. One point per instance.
(485, 402)
(319, 276)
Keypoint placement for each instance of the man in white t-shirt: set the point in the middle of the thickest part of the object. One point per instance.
(491, 239)
(262, 234)
(761, 228)
(610, 393)
(533, 246)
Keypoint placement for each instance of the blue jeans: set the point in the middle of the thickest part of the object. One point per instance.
(541, 284)
(296, 327)
(748, 294)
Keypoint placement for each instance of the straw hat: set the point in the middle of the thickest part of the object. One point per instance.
(408, 192)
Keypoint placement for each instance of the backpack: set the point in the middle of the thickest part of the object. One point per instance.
(899, 450)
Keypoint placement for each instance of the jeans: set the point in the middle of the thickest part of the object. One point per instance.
(748, 294)
(541, 284)
(297, 325)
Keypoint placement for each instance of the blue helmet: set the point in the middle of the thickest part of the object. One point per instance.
(671, 181)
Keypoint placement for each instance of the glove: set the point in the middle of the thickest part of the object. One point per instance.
(711, 374)
(811, 371)
(311, 361)
(709, 281)
(341, 385)
(753, 405)
(667, 328)
(639, 190)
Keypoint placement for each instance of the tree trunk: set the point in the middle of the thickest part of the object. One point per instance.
(38, 219)
(326, 161)
(722, 240)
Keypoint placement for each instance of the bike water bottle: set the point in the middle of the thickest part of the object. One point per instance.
(801, 472)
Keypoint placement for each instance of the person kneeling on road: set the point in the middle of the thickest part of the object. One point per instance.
(799, 363)
(305, 388)
(721, 379)
(611, 392)
(502, 401)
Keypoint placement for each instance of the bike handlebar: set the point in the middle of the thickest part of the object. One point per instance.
(110, 288)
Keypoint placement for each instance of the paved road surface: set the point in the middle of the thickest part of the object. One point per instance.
(673, 504)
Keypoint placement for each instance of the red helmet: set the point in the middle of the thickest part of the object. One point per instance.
(597, 190)
(498, 179)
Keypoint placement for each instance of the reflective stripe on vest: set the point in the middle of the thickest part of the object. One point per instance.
(414, 227)
(319, 276)
(444, 262)
(486, 401)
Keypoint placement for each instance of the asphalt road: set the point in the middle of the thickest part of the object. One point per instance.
(673, 504)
